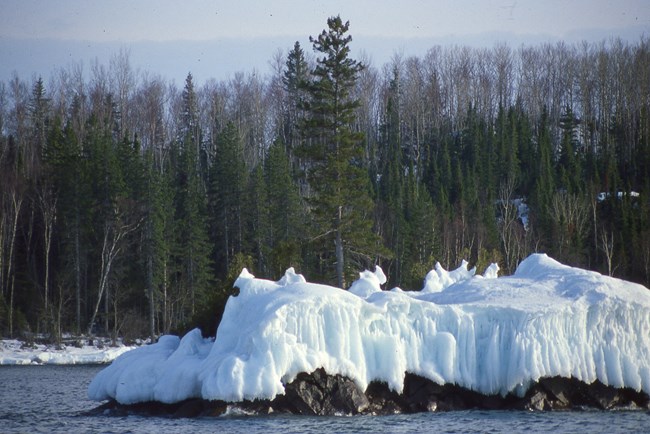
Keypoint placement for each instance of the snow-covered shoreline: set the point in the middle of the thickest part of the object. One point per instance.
(16, 352)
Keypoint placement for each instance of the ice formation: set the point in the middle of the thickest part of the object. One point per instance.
(492, 335)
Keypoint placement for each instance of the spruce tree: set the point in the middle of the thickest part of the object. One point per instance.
(544, 184)
(295, 76)
(198, 249)
(340, 189)
(391, 209)
(191, 248)
(190, 265)
(507, 146)
(39, 119)
(71, 182)
(256, 218)
(190, 129)
(420, 238)
(227, 184)
(569, 169)
(157, 242)
(190, 132)
(286, 214)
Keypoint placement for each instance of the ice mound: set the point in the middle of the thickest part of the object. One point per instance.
(439, 278)
(368, 283)
(488, 334)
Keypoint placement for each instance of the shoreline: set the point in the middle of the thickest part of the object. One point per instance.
(15, 352)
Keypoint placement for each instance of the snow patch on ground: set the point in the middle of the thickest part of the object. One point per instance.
(602, 196)
(15, 352)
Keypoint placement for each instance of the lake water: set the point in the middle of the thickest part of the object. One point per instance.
(47, 399)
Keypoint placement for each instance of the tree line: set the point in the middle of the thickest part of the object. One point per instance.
(129, 205)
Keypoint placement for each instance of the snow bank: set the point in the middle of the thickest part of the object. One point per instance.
(492, 335)
(13, 352)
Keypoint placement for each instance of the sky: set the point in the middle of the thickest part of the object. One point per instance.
(215, 39)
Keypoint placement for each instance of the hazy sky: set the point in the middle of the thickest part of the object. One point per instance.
(216, 38)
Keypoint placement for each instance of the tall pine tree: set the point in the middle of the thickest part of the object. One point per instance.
(340, 187)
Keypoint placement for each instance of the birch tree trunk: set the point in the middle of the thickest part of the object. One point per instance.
(114, 233)
(16, 205)
(47, 202)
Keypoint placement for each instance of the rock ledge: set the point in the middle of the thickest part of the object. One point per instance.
(322, 394)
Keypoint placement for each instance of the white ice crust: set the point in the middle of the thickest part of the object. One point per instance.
(492, 335)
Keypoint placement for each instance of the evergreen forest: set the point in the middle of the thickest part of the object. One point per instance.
(129, 205)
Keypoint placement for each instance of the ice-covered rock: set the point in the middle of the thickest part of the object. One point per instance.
(488, 335)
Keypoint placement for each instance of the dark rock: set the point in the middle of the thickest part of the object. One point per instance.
(422, 394)
(541, 398)
(560, 392)
(536, 401)
(213, 408)
(190, 408)
(319, 393)
(382, 400)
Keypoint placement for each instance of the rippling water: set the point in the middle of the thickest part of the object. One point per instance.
(45, 399)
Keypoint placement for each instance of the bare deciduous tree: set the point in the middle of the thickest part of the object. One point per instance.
(511, 231)
(13, 207)
(570, 215)
(115, 231)
(123, 80)
(47, 202)
(607, 246)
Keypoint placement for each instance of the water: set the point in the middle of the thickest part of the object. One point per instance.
(47, 399)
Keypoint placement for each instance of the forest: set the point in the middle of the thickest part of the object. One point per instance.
(128, 205)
